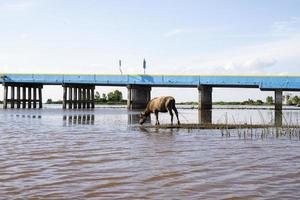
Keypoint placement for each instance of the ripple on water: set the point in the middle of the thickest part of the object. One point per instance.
(46, 157)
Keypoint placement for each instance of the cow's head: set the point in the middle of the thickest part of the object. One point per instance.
(143, 118)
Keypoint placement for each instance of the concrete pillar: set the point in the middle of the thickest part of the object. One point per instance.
(278, 117)
(18, 97)
(204, 116)
(40, 97)
(84, 98)
(5, 96)
(88, 97)
(24, 97)
(93, 98)
(138, 96)
(75, 98)
(12, 97)
(64, 97)
(70, 97)
(205, 97)
(34, 97)
(79, 98)
(29, 97)
(278, 99)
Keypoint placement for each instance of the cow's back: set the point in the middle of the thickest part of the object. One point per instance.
(160, 103)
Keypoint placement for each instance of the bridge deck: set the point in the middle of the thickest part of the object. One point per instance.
(242, 81)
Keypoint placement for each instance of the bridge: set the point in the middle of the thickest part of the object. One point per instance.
(78, 89)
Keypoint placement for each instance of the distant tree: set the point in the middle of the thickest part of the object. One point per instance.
(294, 100)
(97, 96)
(259, 102)
(250, 101)
(49, 101)
(269, 100)
(100, 99)
(115, 96)
(104, 97)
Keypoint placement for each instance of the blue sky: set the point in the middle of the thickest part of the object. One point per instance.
(175, 37)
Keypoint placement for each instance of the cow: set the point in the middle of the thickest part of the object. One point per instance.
(159, 104)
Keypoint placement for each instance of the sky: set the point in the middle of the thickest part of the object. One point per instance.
(174, 36)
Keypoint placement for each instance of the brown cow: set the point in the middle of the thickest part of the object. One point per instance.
(160, 104)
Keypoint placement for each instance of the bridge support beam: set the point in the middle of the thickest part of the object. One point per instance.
(205, 97)
(28, 100)
(78, 96)
(138, 96)
(278, 99)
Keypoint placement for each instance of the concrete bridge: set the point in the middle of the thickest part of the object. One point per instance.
(78, 89)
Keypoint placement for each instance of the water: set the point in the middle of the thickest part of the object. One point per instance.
(101, 154)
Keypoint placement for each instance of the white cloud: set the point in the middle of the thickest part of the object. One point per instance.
(255, 64)
(16, 5)
(251, 59)
(286, 27)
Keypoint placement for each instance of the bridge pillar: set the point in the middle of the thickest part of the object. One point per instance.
(27, 100)
(278, 99)
(205, 116)
(138, 96)
(78, 96)
(205, 97)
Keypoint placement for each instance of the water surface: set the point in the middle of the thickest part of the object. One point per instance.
(102, 154)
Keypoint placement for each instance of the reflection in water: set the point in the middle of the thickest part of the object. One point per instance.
(205, 116)
(27, 116)
(134, 118)
(78, 119)
(278, 117)
(41, 159)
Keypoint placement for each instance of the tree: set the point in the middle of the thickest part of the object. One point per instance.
(294, 100)
(259, 102)
(100, 99)
(49, 101)
(97, 96)
(269, 100)
(104, 97)
(115, 96)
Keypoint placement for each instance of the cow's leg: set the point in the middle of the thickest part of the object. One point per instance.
(176, 113)
(156, 115)
(171, 113)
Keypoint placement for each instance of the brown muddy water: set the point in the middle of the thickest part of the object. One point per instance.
(101, 154)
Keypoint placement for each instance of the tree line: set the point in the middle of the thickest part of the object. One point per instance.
(114, 97)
